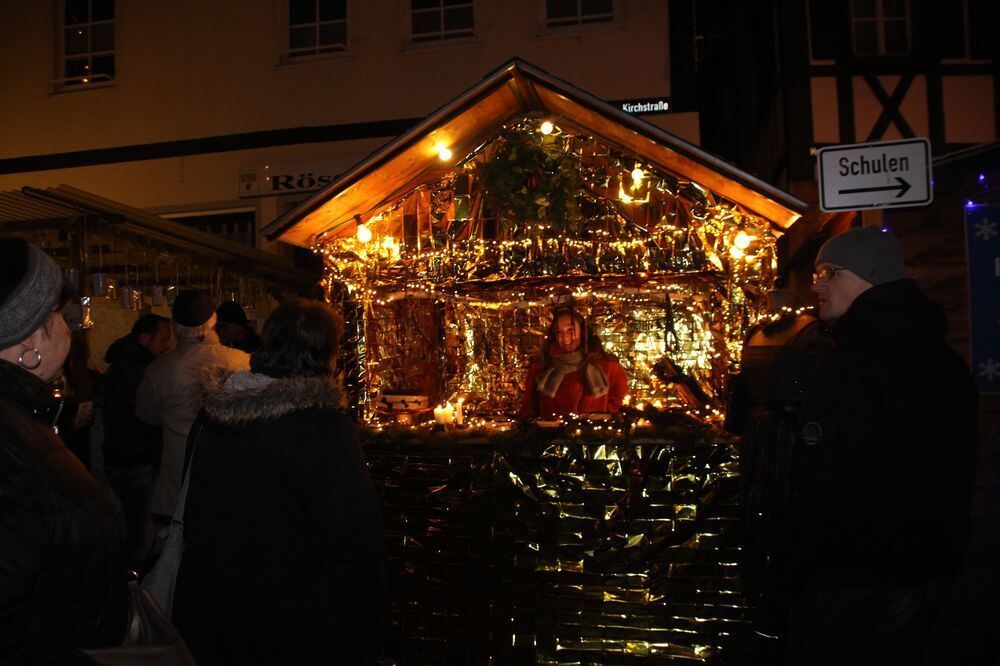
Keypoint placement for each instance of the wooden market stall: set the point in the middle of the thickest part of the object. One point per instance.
(456, 239)
(448, 249)
(122, 260)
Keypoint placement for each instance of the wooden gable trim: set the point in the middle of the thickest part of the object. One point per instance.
(515, 88)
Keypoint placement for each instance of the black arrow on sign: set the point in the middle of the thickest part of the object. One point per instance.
(903, 188)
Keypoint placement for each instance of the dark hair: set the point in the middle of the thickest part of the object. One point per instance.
(147, 324)
(76, 367)
(231, 312)
(591, 344)
(13, 265)
(301, 337)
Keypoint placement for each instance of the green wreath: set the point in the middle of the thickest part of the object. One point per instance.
(531, 178)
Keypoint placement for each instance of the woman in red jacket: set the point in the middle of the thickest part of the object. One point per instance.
(576, 375)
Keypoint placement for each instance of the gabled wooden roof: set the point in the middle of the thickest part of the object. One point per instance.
(515, 89)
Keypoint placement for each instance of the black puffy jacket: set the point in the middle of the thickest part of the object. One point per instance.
(63, 574)
(283, 556)
(884, 464)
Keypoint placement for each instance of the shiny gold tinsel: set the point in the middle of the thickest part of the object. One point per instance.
(456, 296)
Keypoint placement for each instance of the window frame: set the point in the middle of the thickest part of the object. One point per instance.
(179, 217)
(579, 26)
(63, 83)
(287, 58)
(440, 41)
(880, 22)
(966, 58)
(813, 60)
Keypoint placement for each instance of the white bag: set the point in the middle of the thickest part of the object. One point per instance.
(162, 578)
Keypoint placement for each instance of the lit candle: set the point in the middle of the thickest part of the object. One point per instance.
(444, 414)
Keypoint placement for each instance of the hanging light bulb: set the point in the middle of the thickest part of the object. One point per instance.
(364, 233)
(743, 240)
(546, 127)
(637, 176)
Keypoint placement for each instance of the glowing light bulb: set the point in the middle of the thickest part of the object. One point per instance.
(637, 176)
(444, 152)
(735, 252)
(743, 240)
(546, 127)
(364, 233)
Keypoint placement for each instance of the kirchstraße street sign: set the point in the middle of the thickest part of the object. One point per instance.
(875, 175)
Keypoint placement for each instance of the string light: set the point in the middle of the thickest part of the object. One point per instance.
(364, 233)
(742, 240)
(546, 127)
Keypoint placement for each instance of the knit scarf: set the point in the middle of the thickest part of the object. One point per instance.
(550, 378)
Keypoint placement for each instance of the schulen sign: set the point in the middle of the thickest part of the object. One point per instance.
(875, 175)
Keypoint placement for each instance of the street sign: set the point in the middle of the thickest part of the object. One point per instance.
(875, 175)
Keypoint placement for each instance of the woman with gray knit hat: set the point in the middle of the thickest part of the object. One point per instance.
(62, 559)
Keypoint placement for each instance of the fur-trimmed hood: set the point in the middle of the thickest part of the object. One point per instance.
(244, 397)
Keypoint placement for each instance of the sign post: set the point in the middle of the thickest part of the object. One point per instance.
(875, 175)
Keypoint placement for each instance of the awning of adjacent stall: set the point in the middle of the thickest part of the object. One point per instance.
(27, 208)
(516, 88)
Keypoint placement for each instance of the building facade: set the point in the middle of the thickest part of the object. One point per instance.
(804, 74)
(225, 114)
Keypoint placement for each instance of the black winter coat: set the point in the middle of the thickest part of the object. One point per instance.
(127, 439)
(883, 468)
(283, 559)
(63, 574)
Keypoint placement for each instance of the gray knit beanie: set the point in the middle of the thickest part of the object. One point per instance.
(27, 297)
(870, 253)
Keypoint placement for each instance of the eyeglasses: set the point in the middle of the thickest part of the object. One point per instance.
(825, 274)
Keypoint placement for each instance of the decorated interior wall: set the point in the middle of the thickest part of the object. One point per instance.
(456, 280)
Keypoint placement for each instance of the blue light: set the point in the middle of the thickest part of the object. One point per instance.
(968, 203)
(982, 177)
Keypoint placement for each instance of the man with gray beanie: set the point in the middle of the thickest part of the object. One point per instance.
(169, 394)
(883, 465)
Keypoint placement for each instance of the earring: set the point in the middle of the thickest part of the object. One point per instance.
(38, 359)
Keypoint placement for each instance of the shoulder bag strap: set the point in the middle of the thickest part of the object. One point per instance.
(182, 498)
